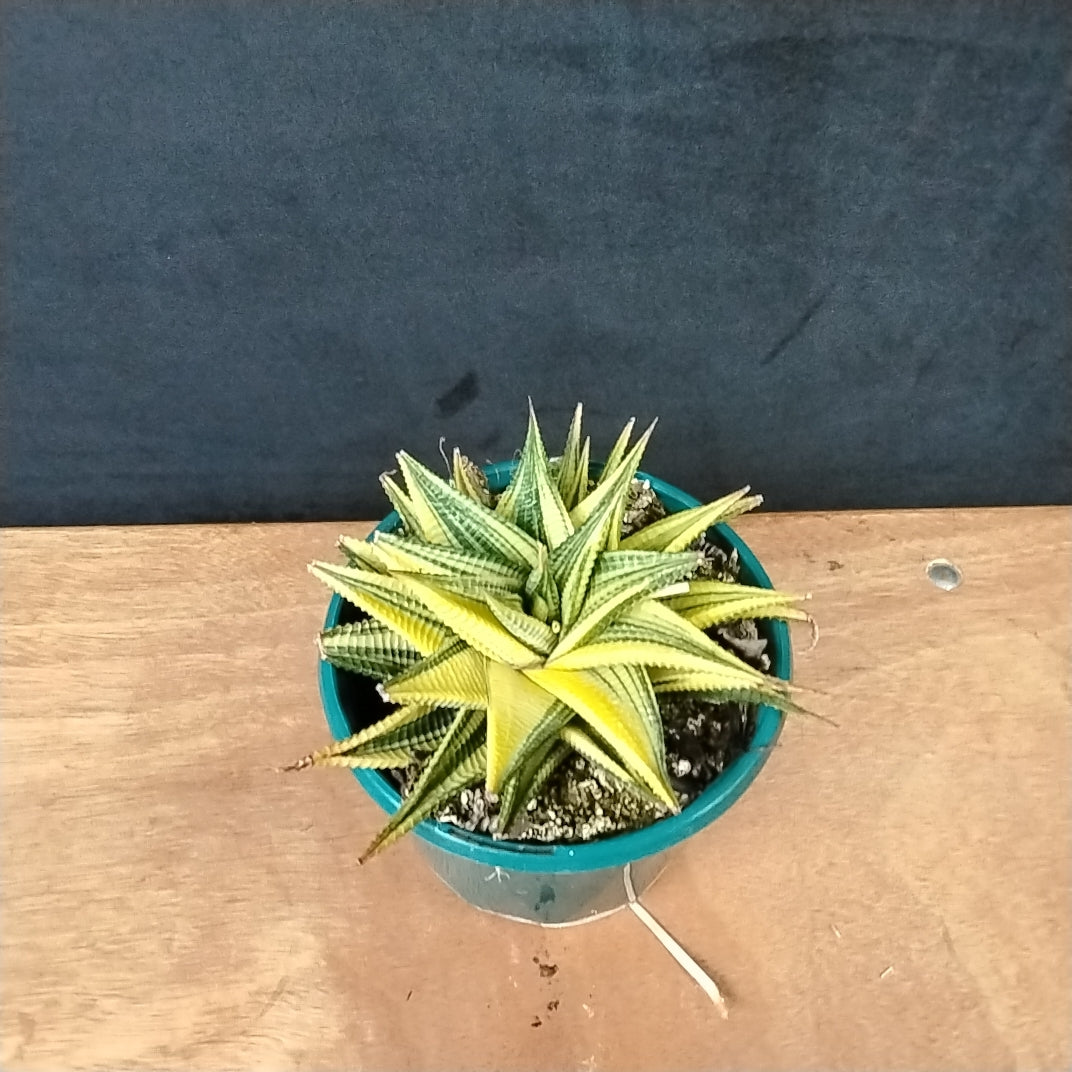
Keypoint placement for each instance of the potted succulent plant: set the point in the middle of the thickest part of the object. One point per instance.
(552, 670)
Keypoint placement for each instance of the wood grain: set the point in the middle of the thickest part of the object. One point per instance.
(169, 901)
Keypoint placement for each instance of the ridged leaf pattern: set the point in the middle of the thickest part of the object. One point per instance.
(515, 632)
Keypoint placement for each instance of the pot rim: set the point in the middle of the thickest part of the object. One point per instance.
(618, 849)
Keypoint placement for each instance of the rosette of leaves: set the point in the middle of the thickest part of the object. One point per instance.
(510, 633)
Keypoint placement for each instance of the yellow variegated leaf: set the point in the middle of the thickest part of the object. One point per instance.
(583, 475)
(709, 603)
(529, 630)
(455, 676)
(569, 469)
(518, 710)
(460, 760)
(657, 620)
(555, 522)
(387, 600)
(650, 653)
(470, 620)
(595, 698)
(650, 634)
(470, 526)
(677, 531)
(723, 683)
(620, 578)
(361, 553)
(532, 500)
(585, 744)
(612, 483)
(407, 555)
(403, 504)
(617, 452)
(396, 719)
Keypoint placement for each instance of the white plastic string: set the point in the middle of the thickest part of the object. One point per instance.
(670, 944)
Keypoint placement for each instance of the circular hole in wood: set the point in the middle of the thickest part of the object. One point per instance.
(943, 574)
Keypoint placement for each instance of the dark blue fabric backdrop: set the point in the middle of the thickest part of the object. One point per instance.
(250, 249)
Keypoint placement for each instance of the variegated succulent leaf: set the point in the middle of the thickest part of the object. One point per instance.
(516, 629)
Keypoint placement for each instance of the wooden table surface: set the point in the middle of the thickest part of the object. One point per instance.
(890, 894)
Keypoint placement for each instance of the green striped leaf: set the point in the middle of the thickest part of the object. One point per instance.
(409, 555)
(709, 603)
(387, 600)
(620, 578)
(541, 590)
(677, 531)
(459, 761)
(367, 647)
(569, 469)
(469, 525)
(532, 500)
(574, 561)
(530, 631)
(520, 715)
(455, 676)
(529, 778)
(413, 737)
(327, 756)
(403, 506)
(612, 483)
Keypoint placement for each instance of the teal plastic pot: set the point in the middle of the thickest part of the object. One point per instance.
(559, 884)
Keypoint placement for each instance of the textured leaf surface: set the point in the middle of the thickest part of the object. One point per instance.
(677, 531)
(532, 500)
(620, 578)
(611, 481)
(470, 526)
(410, 555)
(529, 630)
(571, 480)
(520, 714)
(367, 647)
(403, 506)
(362, 554)
(460, 760)
(594, 695)
(397, 719)
(709, 603)
(472, 621)
(454, 676)
(388, 601)
(529, 778)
